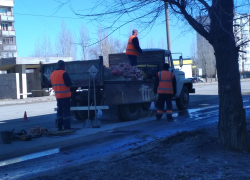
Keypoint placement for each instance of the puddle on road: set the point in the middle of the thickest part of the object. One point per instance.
(197, 113)
(28, 157)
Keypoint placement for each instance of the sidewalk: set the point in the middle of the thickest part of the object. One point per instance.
(208, 83)
(4, 102)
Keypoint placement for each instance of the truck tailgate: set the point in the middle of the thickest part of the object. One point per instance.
(79, 72)
(128, 92)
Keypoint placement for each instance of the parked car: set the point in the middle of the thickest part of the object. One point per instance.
(200, 79)
(195, 79)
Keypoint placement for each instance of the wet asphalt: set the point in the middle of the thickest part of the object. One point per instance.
(203, 112)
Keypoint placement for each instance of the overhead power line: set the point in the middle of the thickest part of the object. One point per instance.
(46, 16)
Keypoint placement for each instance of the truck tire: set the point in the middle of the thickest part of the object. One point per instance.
(145, 106)
(130, 112)
(182, 102)
(83, 115)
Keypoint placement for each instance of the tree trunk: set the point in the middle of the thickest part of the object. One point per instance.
(232, 129)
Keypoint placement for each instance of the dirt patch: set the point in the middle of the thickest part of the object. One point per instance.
(186, 156)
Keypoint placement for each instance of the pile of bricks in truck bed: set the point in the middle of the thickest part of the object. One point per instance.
(123, 71)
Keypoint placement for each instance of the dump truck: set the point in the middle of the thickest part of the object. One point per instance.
(92, 81)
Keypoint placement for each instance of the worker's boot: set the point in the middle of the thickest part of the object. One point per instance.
(60, 124)
(66, 123)
(59, 127)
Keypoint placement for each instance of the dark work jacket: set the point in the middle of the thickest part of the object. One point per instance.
(156, 84)
(136, 44)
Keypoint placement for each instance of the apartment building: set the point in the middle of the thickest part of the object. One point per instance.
(242, 36)
(7, 31)
(205, 52)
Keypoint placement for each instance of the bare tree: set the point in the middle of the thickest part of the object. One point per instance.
(106, 46)
(43, 48)
(119, 46)
(232, 131)
(162, 43)
(84, 42)
(65, 46)
(150, 43)
(206, 58)
(193, 52)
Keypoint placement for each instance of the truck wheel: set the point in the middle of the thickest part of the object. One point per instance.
(130, 112)
(182, 102)
(145, 106)
(83, 115)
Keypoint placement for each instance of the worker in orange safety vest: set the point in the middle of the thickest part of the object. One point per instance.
(133, 48)
(165, 86)
(61, 83)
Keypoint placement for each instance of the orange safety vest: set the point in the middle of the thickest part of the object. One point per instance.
(130, 50)
(165, 82)
(61, 90)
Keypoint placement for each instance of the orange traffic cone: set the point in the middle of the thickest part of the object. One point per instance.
(25, 117)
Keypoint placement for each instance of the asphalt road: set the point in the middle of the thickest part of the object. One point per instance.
(113, 138)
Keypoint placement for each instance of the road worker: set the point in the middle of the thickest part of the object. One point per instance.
(61, 83)
(165, 86)
(133, 48)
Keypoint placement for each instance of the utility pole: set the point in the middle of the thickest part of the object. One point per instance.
(167, 26)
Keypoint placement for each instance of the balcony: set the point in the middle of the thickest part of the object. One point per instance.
(7, 3)
(8, 33)
(9, 47)
(8, 18)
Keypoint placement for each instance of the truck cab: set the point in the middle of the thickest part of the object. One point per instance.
(184, 85)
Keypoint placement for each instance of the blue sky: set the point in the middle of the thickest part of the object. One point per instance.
(31, 27)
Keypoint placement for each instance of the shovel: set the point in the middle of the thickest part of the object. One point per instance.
(88, 120)
(95, 123)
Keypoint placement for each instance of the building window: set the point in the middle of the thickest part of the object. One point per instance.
(7, 55)
(8, 41)
(4, 26)
(4, 55)
(3, 10)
